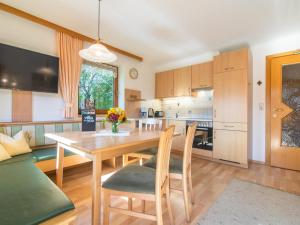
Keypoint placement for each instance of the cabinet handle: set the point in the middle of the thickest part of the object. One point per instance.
(215, 135)
(215, 113)
(228, 126)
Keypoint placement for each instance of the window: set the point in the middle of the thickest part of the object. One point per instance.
(98, 85)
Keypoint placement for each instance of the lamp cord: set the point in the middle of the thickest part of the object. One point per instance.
(99, 20)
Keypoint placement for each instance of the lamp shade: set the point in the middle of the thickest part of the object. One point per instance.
(97, 53)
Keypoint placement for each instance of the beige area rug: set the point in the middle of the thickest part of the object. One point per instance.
(244, 203)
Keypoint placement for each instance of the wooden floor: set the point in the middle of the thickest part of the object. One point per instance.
(209, 181)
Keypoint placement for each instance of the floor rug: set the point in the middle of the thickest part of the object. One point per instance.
(245, 203)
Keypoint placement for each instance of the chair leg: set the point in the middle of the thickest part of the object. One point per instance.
(125, 160)
(186, 198)
(106, 210)
(143, 206)
(169, 207)
(159, 211)
(191, 187)
(130, 204)
(141, 161)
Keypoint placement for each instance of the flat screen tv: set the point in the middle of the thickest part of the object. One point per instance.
(27, 70)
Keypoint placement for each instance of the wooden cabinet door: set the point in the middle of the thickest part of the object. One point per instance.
(164, 84)
(230, 146)
(231, 97)
(233, 60)
(202, 75)
(183, 81)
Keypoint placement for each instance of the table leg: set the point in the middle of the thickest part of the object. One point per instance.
(59, 166)
(96, 198)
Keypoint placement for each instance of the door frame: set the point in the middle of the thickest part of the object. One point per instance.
(269, 59)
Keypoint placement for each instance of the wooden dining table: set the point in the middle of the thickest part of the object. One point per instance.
(98, 147)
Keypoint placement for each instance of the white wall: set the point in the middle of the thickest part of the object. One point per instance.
(25, 34)
(259, 52)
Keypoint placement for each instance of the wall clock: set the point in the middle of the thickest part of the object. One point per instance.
(133, 73)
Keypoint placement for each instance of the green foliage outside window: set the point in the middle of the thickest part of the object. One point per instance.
(97, 85)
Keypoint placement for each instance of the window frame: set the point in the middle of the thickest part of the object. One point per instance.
(116, 85)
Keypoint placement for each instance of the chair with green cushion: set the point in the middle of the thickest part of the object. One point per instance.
(180, 168)
(147, 184)
(147, 124)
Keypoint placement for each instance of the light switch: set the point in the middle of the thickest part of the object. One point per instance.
(261, 106)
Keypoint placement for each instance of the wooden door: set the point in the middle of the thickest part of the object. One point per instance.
(285, 112)
(164, 84)
(202, 75)
(231, 96)
(183, 81)
(230, 146)
(233, 60)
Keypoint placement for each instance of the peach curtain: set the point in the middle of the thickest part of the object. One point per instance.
(69, 71)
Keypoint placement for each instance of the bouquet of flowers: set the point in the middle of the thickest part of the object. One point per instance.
(116, 116)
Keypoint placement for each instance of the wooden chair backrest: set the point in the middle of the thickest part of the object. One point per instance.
(163, 157)
(152, 124)
(188, 146)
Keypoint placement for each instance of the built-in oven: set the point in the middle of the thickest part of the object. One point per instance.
(204, 134)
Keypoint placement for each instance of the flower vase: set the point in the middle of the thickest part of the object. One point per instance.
(115, 127)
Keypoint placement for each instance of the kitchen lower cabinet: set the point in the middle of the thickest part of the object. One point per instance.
(231, 146)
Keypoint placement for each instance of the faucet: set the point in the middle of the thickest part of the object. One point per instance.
(177, 115)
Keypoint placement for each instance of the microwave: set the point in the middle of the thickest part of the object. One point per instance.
(159, 114)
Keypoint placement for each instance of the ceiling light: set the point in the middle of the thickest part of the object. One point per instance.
(98, 52)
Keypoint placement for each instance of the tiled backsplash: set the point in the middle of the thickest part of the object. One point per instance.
(192, 107)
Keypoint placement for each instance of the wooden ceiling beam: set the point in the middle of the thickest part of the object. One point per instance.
(25, 15)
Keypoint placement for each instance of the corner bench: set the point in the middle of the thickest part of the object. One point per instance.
(27, 195)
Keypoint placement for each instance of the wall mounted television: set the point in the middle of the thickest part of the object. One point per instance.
(26, 70)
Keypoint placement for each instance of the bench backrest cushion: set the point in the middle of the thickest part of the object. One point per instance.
(37, 131)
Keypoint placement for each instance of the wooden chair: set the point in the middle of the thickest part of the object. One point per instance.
(144, 183)
(180, 168)
(147, 124)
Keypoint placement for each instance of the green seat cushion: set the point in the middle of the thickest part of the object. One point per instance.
(150, 151)
(28, 196)
(176, 164)
(18, 158)
(47, 154)
(132, 178)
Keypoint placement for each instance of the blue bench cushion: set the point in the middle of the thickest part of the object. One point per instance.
(28, 196)
(47, 154)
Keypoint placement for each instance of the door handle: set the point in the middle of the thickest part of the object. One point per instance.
(276, 111)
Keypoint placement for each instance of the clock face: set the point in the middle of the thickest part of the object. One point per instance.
(133, 73)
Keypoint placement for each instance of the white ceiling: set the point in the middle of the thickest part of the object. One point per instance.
(162, 31)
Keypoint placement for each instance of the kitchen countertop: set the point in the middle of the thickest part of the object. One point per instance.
(179, 118)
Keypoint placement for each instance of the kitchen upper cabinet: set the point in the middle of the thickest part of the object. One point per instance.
(202, 75)
(230, 146)
(164, 84)
(233, 60)
(183, 81)
(230, 102)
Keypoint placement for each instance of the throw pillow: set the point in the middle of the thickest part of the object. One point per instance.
(3, 154)
(16, 145)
